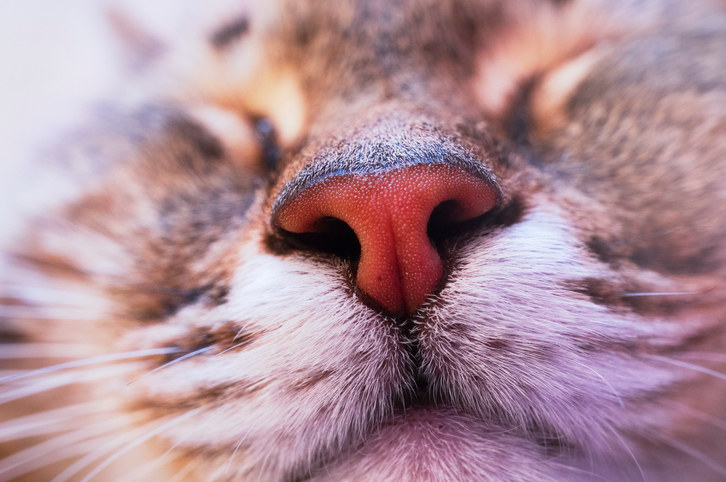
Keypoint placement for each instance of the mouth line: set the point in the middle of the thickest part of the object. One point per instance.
(425, 414)
(423, 397)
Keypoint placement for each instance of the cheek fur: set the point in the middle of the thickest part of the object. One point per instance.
(510, 337)
(316, 372)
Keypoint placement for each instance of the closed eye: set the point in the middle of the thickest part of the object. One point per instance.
(267, 137)
(230, 32)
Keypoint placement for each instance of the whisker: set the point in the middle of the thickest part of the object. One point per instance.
(231, 457)
(184, 471)
(7, 373)
(236, 449)
(703, 416)
(67, 379)
(10, 351)
(231, 348)
(612, 389)
(99, 451)
(632, 455)
(43, 294)
(241, 332)
(588, 473)
(654, 235)
(706, 356)
(39, 286)
(176, 360)
(144, 471)
(690, 366)
(47, 456)
(696, 454)
(27, 313)
(49, 421)
(54, 450)
(139, 441)
(93, 361)
(137, 474)
(665, 293)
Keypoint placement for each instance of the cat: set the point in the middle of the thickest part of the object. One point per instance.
(383, 240)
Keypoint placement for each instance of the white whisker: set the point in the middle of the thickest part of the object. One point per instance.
(706, 356)
(43, 423)
(66, 379)
(231, 348)
(93, 361)
(100, 450)
(665, 293)
(241, 332)
(50, 296)
(56, 449)
(8, 373)
(690, 366)
(590, 475)
(42, 350)
(632, 455)
(28, 313)
(612, 389)
(47, 456)
(144, 471)
(705, 417)
(236, 449)
(137, 442)
(698, 455)
(137, 474)
(184, 471)
(231, 457)
(176, 360)
(11, 288)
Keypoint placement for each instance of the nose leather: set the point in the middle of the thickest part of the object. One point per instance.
(389, 212)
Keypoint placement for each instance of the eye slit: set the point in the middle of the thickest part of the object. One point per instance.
(229, 32)
(267, 136)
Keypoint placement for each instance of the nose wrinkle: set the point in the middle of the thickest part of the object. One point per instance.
(389, 213)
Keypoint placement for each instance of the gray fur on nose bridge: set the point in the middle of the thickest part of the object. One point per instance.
(384, 155)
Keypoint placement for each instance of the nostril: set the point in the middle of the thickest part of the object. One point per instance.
(444, 221)
(328, 235)
(448, 222)
(391, 222)
(448, 213)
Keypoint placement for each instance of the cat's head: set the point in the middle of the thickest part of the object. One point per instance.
(449, 241)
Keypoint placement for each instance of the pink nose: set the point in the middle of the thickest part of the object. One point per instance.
(389, 213)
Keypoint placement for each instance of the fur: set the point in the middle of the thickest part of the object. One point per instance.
(154, 316)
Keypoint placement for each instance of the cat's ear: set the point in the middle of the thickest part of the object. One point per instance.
(138, 44)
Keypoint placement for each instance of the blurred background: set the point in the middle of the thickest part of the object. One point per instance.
(54, 57)
(57, 57)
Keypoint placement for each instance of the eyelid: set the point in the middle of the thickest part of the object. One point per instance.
(267, 137)
(238, 135)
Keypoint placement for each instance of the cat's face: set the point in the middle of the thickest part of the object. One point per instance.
(422, 241)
